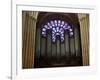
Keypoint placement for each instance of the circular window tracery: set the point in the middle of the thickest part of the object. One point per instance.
(58, 28)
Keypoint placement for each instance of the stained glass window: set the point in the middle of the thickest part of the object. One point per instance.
(57, 28)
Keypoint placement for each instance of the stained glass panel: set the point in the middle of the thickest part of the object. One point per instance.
(58, 28)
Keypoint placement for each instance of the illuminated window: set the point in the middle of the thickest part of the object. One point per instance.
(57, 28)
(57, 41)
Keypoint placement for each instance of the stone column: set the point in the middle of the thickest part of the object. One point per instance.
(28, 38)
(84, 30)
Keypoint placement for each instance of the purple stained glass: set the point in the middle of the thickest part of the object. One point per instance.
(52, 23)
(58, 27)
(71, 33)
(43, 29)
(62, 23)
(57, 33)
(70, 29)
(45, 26)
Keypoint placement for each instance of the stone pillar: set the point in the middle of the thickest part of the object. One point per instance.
(84, 30)
(28, 38)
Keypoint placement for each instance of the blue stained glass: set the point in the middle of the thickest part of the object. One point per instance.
(46, 26)
(57, 33)
(55, 24)
(43, 29)
(61, 29)
(71, 33)
(53, 28)
(53, 31)
(58, 24)
(62, 22)
(64, 27)
(52, 34)
(58, 27)
(52, 23)
(53, 37)
(43, 32)
(66, 24)
(62, 34)
(62, 38)
(50, 27)
(59, 21)
(70, 29)
(55, 21)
